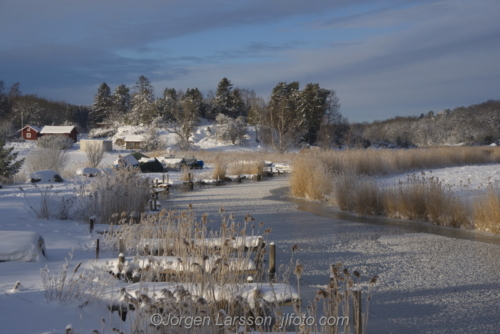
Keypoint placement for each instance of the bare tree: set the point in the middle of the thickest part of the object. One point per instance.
(94, 151)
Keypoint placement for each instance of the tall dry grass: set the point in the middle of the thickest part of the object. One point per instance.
(103, 196)
(346, 178)
(486, 211)
(220, 169)
(388, 161)
(182, 235)
(245, 167)
(418, 198)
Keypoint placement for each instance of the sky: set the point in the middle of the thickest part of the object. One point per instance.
(383, 58)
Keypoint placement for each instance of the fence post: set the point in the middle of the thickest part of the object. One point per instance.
(97, 249)
(121, 246)
(91, 222)
(190, 181)
(272, 261)
(358, 316)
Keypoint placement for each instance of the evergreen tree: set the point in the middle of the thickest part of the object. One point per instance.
(283, 126)
(102, 106)
(8, 165)
(313, 107)
(121, 100)
(143, 107)
(5, 105)
(228, 101)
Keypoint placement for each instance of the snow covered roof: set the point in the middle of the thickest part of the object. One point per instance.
(127, 160)
(134, 138)
(49, 129)
(36, 128)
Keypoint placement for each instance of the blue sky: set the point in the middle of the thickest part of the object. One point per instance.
(383, 58)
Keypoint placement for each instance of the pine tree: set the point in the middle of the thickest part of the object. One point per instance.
(143, 107)
(8, 165)
(222, 103)
(102, 106)
(121, 99)
(313, 107)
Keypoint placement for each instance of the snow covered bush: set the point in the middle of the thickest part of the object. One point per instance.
(233, 129)
(102, 133)
(55, 142)
(49, 157)
(152, 141)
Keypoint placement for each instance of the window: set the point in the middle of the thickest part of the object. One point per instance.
(28, 135)
(29, 129)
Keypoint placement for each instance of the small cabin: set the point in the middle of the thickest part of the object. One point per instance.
(30, 132)
(133, 142)
(68, 131)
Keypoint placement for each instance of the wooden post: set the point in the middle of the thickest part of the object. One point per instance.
(91, 222)
(163, 179)
(97, 249)
(150, 205)
(121, 246)
(358, 316)
(190, 181)
(121, 263)
(272, 261)
(69, 329)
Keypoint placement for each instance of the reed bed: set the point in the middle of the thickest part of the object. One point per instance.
(181, 234)
(122, 190)
(346, 178)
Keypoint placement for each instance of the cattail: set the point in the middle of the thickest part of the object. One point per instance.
(294, 248)
(298, 269)
(374, 279)
(321, 293)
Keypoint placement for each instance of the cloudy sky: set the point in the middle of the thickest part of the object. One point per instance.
(383, 58)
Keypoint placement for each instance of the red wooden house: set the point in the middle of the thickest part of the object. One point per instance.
(30, 132)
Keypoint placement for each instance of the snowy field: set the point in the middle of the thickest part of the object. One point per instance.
(463, 181)
(428, 283)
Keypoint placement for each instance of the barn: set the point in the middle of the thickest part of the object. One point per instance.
(30, 132)
(68, 131)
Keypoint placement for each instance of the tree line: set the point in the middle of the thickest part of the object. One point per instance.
(472, 125)
(291, 116)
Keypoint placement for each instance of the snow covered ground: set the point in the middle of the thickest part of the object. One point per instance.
(462, 181)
